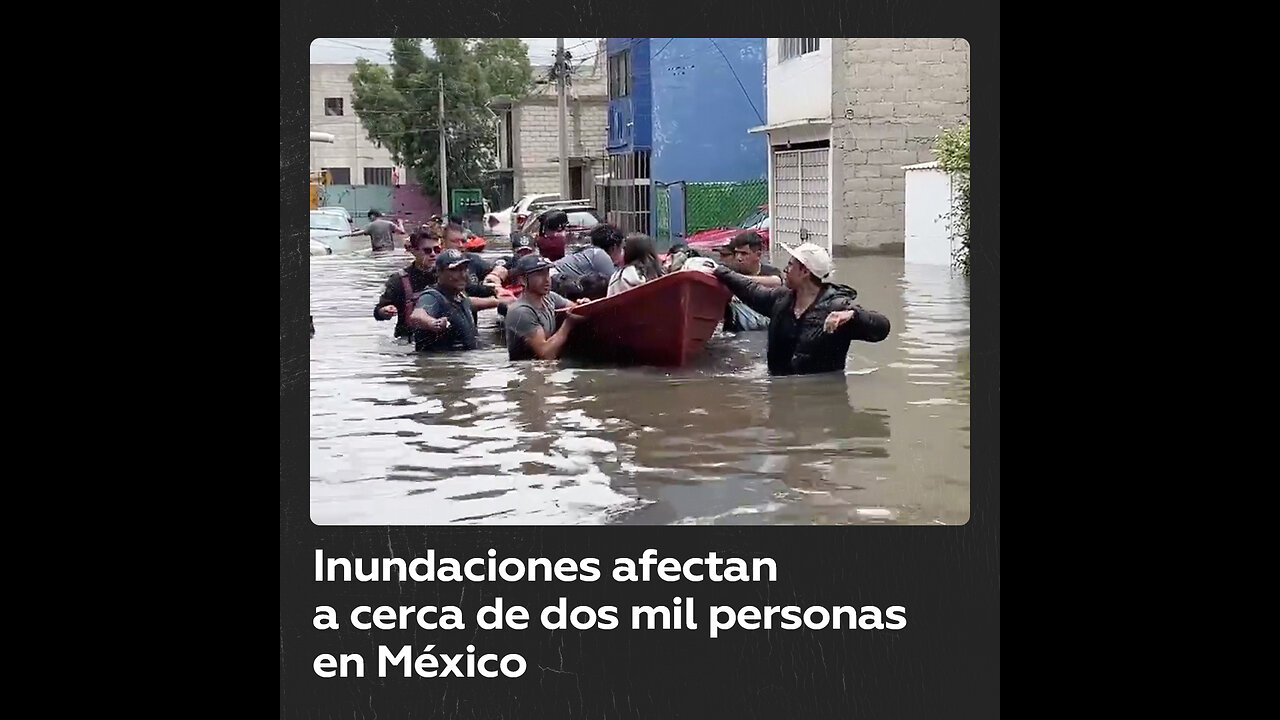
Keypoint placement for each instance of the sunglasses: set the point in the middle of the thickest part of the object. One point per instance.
(433, 250)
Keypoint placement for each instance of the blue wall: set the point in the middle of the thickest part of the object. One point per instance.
(705, 96)
(635, 108)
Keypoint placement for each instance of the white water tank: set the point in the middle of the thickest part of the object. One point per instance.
(929, 197)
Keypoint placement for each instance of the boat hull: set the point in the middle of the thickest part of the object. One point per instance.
(665, 322)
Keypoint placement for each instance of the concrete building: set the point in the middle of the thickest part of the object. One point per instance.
(352, 159)
(529, 130)
(845, 115)
(680, 154)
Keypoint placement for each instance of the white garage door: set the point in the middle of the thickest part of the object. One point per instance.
(799, 207)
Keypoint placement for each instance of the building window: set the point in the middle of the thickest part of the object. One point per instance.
(620, 74)
(333, 106)
(795, 47)
(506, 144)
(377, 176)
(339, 176)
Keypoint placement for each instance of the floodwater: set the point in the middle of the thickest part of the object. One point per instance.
(471, 438)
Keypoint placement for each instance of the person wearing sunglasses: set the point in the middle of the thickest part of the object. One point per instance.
(404, 286)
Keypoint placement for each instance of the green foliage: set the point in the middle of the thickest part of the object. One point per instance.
(952, 149)
(399, 104)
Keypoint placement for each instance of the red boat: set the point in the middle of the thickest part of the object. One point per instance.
(664, 322)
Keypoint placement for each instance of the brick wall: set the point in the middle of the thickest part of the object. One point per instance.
(539, 137)
(890, 97)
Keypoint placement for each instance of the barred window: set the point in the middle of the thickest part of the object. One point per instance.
(620, 74)
(795, 47)
(377, 176)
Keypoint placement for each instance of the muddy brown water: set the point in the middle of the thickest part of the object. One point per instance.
(470, 438)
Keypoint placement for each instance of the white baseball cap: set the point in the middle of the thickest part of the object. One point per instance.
(813, 257)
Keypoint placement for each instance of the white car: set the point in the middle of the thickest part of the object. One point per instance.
(521, 211)
(338, 210)
(319, 248)
(499, 223)
(327, 228)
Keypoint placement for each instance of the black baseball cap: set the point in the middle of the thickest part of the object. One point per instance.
(523, 243)
(530, 264)
(450, 259)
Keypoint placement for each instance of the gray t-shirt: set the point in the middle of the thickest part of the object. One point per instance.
(525, 317)
(587, 260)
(380, 234)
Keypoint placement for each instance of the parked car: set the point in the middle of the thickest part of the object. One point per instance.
(338, 210)
(498, 224)
(521, 211)
(757, 220)
(327, 228)
(319, 248)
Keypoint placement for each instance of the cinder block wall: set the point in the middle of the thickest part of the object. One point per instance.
(890, 99)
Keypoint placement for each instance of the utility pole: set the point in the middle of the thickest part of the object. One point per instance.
(444, 181)
(562, 70)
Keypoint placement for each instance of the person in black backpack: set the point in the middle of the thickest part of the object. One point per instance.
(404, 286)
(444, 317)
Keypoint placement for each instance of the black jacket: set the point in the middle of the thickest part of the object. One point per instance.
(815, 350)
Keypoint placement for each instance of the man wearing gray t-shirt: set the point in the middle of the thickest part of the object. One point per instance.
(380, 231)
(531, 321)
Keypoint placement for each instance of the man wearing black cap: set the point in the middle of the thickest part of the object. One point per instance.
(444, 318)
(531, 320)
(521, 247)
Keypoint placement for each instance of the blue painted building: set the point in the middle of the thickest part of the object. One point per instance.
(679, 112)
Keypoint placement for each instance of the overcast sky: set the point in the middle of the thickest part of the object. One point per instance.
(542, 51)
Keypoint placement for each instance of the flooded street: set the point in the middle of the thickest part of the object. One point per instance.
(404, 439)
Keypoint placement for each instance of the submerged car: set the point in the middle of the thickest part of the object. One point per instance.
(712, 238)
(327, 228)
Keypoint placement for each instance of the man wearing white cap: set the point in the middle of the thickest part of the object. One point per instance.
(811, 321)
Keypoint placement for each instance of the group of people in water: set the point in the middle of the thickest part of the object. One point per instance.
(436, 300)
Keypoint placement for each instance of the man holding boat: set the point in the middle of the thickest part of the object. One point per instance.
(811, 321)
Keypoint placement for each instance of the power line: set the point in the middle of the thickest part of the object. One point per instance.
(735, 77)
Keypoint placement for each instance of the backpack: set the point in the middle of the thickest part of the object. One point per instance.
(410, 297)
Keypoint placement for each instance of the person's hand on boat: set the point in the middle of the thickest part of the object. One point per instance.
(390, 310)
(836, 319)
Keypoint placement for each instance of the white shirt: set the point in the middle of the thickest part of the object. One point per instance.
(625, 279)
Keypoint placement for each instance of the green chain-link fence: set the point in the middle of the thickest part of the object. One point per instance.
(721, 204)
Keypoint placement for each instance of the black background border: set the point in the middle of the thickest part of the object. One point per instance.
(945, 664)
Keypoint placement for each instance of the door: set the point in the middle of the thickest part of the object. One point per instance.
(800, 204)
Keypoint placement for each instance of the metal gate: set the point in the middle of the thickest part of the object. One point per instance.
(799, 209)
(669, 213)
